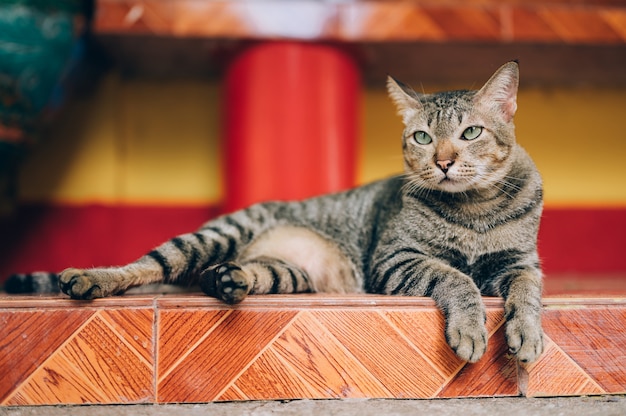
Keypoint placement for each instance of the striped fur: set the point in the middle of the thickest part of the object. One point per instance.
(460, 223)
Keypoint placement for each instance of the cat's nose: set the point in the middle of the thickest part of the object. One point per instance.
(444, 165)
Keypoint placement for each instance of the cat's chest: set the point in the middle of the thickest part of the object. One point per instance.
(477, 254)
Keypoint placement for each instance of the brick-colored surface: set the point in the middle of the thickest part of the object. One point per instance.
(190, 348)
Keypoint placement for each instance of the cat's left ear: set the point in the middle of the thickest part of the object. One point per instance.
(501, 90)
(406, 100)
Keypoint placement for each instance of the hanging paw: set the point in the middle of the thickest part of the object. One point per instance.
(524, 336)
(467, 336)
(225, 281)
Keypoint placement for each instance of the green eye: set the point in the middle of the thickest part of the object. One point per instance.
(422, 137)
(471, 133)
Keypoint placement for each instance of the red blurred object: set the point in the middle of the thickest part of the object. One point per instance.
(291, 122)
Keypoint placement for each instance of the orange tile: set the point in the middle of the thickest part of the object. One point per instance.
(495, 374)
(322, 362)
(279, 347)
(179, 330)
(29, 338)
(231, 395)
(214, 364)
(134, 326)
(422, 327)
(402, 367)
(94, 366)
(594, 338)
(269, 378)
(555, 374)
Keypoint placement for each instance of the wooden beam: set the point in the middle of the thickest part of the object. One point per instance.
(558, 21)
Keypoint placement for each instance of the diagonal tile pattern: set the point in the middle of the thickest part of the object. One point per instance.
(93, 367)
(95, 364)
(188, 348)
(29, 338)
(228, 347)
(585, 352)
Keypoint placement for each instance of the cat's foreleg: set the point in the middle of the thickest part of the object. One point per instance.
(459, 299)
(522, 310)
(102, 282)
(177, 261)
(454, 293)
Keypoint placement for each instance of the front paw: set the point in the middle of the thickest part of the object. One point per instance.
(80, 284)
(467, 337)
(525, 338)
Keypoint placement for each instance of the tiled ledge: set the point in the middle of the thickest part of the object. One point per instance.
(190, 348)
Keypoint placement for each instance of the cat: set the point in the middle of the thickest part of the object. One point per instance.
(461, 222)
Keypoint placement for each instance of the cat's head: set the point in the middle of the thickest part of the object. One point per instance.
(458, 141)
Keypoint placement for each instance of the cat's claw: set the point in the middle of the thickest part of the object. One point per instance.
(79, 284)
(525, 339)
(226, 281)
(467, 339)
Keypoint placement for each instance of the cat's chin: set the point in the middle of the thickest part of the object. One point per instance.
(452, 186)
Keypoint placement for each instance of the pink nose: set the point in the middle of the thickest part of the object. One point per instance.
(444, 165)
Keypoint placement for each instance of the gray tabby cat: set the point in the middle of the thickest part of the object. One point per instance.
(462, 221)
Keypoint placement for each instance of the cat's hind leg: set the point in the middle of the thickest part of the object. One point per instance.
(232, 282)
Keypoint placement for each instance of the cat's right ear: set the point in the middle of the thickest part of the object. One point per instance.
(406, 100)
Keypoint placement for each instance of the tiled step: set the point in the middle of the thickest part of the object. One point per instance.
(191, 348)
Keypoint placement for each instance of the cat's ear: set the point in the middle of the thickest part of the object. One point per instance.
(406, 100)
(500, 92)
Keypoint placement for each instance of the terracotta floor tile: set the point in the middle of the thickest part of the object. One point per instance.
(29, 338)
(322, 362)
(595, 339)
(232, 394)
(269, 378)
(555, 374)
(495, 374)
(56, 350)
(216, 362)
(422, 327)
(386, 353)
(136, 327)
(179, 330)
(95, 366)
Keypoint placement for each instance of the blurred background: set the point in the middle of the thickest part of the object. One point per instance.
(124, 123)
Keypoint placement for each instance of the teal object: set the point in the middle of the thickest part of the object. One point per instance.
(38, 44)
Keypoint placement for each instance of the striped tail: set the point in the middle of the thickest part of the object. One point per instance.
(36, 282)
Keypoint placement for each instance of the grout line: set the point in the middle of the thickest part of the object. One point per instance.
(497, 327)
(235, 387)
(156, 313)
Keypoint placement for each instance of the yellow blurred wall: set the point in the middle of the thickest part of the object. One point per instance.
(137, 141)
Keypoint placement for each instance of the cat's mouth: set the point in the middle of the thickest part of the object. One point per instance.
(449, 184)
